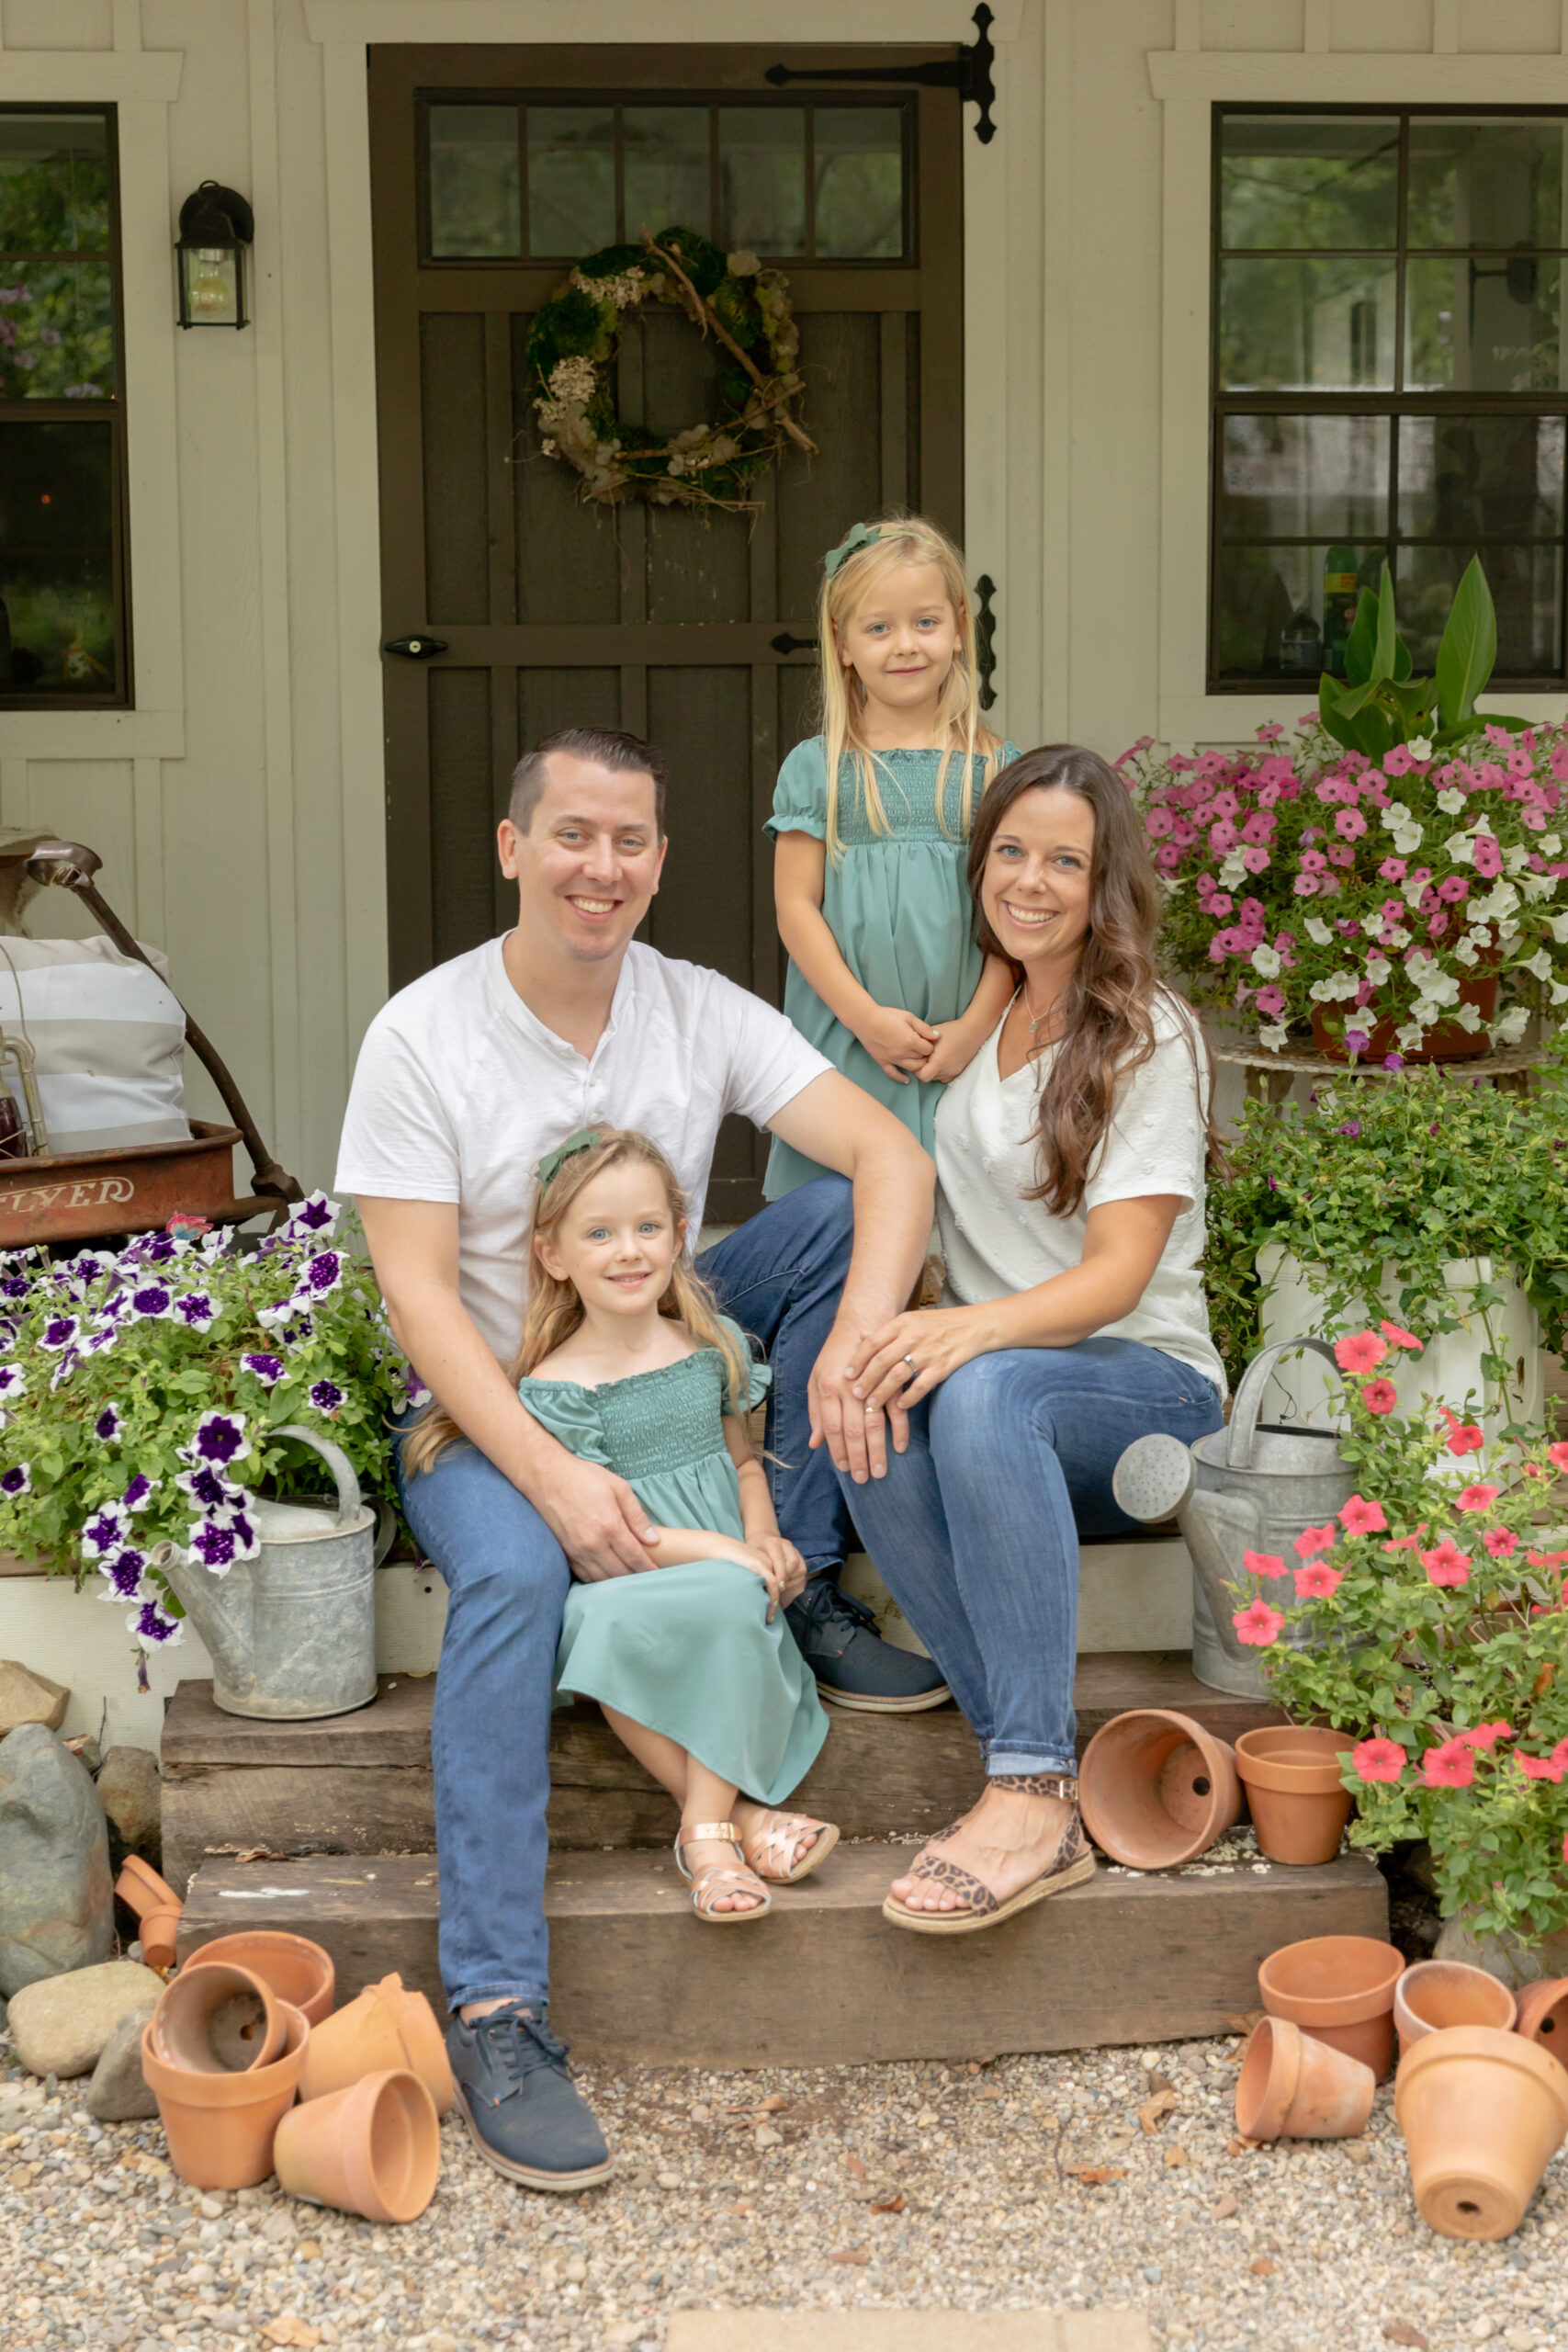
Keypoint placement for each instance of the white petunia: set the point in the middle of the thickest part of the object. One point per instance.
(1558, 926)
(1512, 1027)
(1318, 932)
(1468, 1017)
(1466, 950)
(1407, 840)
(1408, 1036)
(1540, 964)
(1233, 871)
(1273, 1035)
(1451, 802)
(1267, 961)
(1538, 886)
(1460, 847)
(1558, 993)
(1378, 970)
(1419, 747)
(1395, 815)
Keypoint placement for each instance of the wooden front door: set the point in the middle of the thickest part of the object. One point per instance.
(493, 170)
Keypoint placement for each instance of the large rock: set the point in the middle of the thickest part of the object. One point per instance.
(118, 2092)
(61, 2025)
(56, 1896)
(29, 1698)
(132, 1795)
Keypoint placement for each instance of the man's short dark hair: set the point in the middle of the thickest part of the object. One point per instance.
(609, 747)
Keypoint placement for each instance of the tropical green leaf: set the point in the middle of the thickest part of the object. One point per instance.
(1361, 639)
(1468, 650)
(1387, 632)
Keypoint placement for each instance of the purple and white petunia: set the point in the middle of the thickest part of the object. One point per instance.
(88, 1268)
(17, 1480)
(269, 1370)
(416, 1395)
(151, 1622)
(219, 1438)
(299, 1333)
(326, 1397)
(13, 1381)
(109, 1424)
(107, 1336)
(318, 1215)
(59, 1333)
(140, 1492)
(244, 1531)
(107, 1530)
(114, 1308)
(14, 1286)
(320, 1276)
(270, 1318)
(219, 1545)
(152, 1302)
(197, 1310)
(65, 1367)
(122, 1573)
(206, 1487)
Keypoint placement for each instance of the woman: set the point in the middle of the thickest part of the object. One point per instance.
(1070, 1163)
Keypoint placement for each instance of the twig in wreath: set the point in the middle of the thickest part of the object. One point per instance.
(705, 318)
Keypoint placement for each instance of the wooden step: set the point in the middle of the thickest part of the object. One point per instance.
(361, 1783)
(638, 1981)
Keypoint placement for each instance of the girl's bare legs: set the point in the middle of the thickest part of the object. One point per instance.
(701, 1795)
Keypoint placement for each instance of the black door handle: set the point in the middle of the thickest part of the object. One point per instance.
(415, 649)
(785, 643)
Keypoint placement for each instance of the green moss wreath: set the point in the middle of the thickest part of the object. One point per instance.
(746, 308)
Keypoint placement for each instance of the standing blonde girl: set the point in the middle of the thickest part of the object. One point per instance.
(872, 819)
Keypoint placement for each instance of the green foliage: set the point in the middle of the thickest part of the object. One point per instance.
(1380, 704)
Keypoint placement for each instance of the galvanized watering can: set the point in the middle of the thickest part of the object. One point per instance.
(1242, 1489)
(292, 1632)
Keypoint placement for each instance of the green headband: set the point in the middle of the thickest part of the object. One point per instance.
(549, 1168)
(862, 535)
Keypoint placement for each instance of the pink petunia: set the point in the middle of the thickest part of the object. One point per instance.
(1559, 1754)
(1486, 1734)
(1451, 1766)
(1263, 1564)
(1464, 1437)
(1477, 1497)
(1558, 1455)
(1314, 1539)
(1447, 1565)
(1501, 1542)
(1398, 1339)
(1565, 1845)
(1258, 1624)
(1538, 1768)
(1378, 1760)
(1380, 1396)
(1349, 824)
(1360, 1351)
(1359, 1517)
(1317, 1581)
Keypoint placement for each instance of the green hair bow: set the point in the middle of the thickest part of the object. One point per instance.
(862, 535)
(549, 1168)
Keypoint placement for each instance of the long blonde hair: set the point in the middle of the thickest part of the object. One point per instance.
(900, 540)
(555, 1311)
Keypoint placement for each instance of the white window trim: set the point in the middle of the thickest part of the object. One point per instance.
(1189, 83)
(141, 84)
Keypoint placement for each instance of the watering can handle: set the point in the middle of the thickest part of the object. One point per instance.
(348, 1498)
(1249, 1396)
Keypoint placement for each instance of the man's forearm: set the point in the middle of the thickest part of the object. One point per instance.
(895, 1189)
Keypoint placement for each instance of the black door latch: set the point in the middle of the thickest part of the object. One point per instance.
(415, 649)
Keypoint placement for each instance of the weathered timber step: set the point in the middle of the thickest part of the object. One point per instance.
(361, 1783)
(638, 1980)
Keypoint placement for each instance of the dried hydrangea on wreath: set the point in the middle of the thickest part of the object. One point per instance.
(136, 1392)
(746, 309)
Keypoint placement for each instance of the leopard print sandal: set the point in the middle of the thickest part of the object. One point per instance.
(1072, 1863)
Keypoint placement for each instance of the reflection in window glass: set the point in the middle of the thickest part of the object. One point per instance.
(54, 184)
(1278, 607)
(1527, 589)
(761, 165)
(668, 183)
(859, 182)
(57, 618)
(1304, 477)
(474, 201)
(57, 339)
(1484, 324)
(1481, 477)
(571, 180)
(1308, 183)
(1477, 183)
(1307, 325)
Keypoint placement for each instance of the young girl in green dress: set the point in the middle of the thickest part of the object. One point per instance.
(626, 1359)
(872, 819)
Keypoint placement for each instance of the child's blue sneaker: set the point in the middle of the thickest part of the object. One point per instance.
(524, 2114)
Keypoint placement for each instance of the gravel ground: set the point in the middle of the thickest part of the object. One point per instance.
(878, 2185)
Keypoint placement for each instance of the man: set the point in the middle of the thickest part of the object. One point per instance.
(464, 1081)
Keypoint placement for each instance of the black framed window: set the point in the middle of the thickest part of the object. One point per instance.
(1390, 376)
(64, 625)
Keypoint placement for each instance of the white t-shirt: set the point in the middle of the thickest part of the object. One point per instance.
(459, 1090)
(996, 1243)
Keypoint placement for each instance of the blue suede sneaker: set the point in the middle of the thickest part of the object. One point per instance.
(854, 1666)
(524, 2113)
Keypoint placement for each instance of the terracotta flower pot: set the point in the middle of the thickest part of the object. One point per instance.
(218, 2020)
(1482, 2114)
(1450, 1041)
(385, 2029)
(220, 2127)
(141, 1890)
(1543, 2015)
(1341, 1990)
(1436, 1993)
(1292, 2088)
(373, 2149)
(1156, 1788)
(1297, 1808)
(297, 1970)
(159, 1934)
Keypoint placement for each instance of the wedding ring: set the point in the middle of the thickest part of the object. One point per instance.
(910, 1362)
(869, 1410)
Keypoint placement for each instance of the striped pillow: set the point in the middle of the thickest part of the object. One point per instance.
(109, 1036)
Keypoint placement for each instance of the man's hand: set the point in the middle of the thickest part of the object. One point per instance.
(785, 1562)
(852, 1431)
(896, 1042)
(957, 1043)
(597, 1521)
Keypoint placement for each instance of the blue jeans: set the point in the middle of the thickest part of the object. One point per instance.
(976, 1529)
(507, 1580)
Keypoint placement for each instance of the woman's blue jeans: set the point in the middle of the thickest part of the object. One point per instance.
(976, 1529)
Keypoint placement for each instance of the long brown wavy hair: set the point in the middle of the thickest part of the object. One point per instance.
(555, 1311)
(1106, 1012)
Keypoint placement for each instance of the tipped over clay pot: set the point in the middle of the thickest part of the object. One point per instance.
(1341, 1990)
(1292, 2088)
(1543, 2015)
(1291, 1773)
(373, 2149)
(1482, 2114)
(385, 2029)
(220, 2127)
(160, 1936)
(1156, 1788)
(218, 2021)
(297, 1970)
(1434, 1995)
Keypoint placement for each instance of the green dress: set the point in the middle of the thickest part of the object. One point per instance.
(898, 906)
(687, 1650)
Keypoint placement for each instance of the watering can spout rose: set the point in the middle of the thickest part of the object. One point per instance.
(292, 1632)
(1244, 1489)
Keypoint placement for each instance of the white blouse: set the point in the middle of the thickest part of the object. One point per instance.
(996, 1243)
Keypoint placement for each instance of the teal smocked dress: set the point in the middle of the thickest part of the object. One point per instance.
(687, 1650)
(897, 904)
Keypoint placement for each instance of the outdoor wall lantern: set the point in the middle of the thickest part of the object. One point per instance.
(216, 226)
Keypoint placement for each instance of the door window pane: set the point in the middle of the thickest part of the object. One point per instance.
(474, 202)
(1309, 183)
(571, 180)
(859, 182)
(761, 167)
(1277, 608)
(1480, 182)
(1481, 477)
(56, 330)
(668, 183)
(1487, 324)
(1304, 477)
(1527, 589)
(57, 620)
(54, 184)
(1307, 325)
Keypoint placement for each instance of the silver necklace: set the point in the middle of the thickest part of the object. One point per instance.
(1035, 1020)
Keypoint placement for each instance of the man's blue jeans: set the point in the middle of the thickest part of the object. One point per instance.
(976, 1529)
(780, 1277)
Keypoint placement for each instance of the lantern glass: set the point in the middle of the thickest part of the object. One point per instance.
(211, 293)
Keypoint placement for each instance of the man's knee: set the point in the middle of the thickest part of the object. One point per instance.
(825, 1215)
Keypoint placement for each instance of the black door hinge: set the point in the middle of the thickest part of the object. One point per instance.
(969, 73)
(986, 639)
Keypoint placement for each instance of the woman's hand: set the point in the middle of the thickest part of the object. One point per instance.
(907, 1359)
(788, 1566)
(957, 1043)
(898, 1042)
